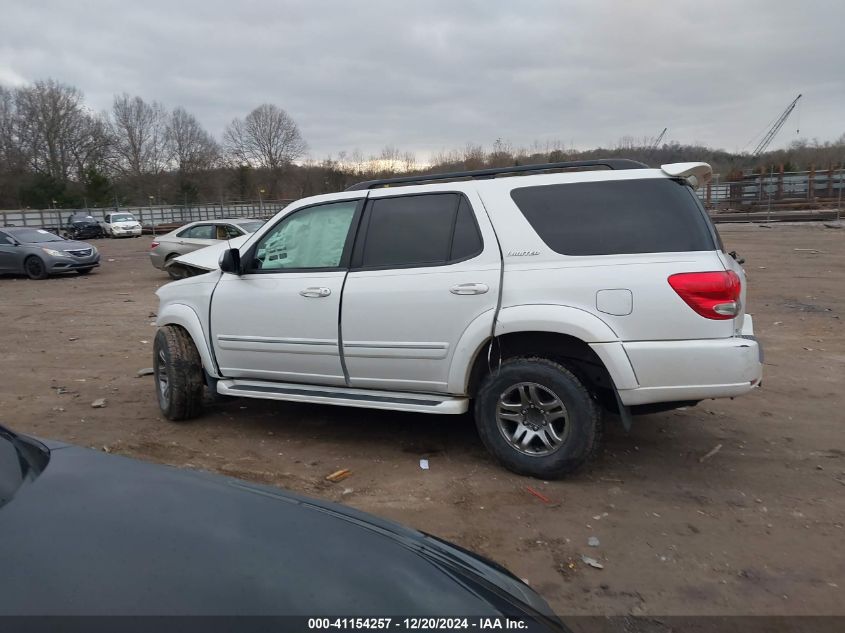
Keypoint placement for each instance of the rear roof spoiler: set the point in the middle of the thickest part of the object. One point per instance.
(696, 174)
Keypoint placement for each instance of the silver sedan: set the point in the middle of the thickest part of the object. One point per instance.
(196, 235)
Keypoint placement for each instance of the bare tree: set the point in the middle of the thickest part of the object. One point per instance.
(268, 137)
(139, 136)
(54, 131)
(8, 139)
(192, 148)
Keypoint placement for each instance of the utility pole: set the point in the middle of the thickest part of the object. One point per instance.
(839, 201)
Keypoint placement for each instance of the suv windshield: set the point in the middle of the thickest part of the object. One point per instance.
(21, 460)
(83, 219)
(34, 236)
(122, 217)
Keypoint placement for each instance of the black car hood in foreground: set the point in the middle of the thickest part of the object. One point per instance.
(99, 534)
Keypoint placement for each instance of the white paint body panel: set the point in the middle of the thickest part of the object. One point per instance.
(262, 327)
(401, 326)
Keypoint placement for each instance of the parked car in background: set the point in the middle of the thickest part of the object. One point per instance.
(194, 543)
(121, 224)
(82, 226)
(195, 236)
(38, 253)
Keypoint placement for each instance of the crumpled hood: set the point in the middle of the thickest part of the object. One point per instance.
(209, 257)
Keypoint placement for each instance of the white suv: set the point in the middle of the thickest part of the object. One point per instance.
(539, 299)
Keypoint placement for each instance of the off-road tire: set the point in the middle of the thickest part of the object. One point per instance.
(175, 357)
(582, 439)
(35, 268)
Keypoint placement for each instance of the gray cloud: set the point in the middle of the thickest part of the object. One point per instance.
(436, 75)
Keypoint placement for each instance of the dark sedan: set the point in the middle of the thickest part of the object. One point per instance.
(39, 253)
(84, 227)
(88, 533)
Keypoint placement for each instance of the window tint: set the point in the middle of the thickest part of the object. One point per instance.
(229, 231)
(311, 238)
(418, 230)
(199, 232)
(5, 239)
(650, 215)
(467, 240)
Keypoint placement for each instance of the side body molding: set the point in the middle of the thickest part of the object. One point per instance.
(185, 316)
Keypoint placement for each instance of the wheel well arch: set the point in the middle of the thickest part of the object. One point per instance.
(570, 351)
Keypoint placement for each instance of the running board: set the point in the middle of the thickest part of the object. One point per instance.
(343, 396)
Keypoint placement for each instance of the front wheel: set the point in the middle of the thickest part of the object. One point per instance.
(35, 267)
(177, 368)
(537, 418)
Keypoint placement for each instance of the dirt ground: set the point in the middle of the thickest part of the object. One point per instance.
(756, 528)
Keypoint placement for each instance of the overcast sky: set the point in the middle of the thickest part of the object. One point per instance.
(428, 76)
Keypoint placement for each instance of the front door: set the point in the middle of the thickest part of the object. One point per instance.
(279, 320)
(423, 268)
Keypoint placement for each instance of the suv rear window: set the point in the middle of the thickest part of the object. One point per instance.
(650, 215)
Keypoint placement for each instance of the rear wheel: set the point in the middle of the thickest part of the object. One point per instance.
(173, 274)
(537, 418)
(177, 369)
(35, 267)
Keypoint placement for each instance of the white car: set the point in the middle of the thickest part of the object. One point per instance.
(539, 300)
(121, 224)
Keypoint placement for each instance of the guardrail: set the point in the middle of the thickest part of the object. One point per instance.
(774, 187)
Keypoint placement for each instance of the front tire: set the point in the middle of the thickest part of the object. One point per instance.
(35, 267)
(536, 418)
(177, 370)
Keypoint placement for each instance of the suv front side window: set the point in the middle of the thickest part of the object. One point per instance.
(311, 238)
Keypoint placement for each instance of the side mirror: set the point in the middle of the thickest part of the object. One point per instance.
(230, 261)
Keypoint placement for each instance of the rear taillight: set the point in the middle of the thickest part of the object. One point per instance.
(153, 245)
(714, 295)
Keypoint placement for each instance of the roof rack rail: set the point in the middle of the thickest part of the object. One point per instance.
(610, 163)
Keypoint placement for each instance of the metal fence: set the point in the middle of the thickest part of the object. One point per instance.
(150, 217)
(774, 187)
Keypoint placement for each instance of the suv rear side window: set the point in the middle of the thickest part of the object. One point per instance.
(649, 215)
(419, 230)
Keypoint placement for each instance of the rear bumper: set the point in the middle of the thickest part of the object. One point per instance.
(669, 371)
(157, 259)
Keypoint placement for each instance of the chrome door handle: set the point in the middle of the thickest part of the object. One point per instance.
(315, 292)
(469, 289)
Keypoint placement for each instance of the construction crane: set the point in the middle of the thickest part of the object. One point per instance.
(770, 135)
(659, 138)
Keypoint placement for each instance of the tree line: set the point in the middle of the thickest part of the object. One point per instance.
(56, 151)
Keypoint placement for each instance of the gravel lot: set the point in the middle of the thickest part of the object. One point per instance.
(756, 528)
